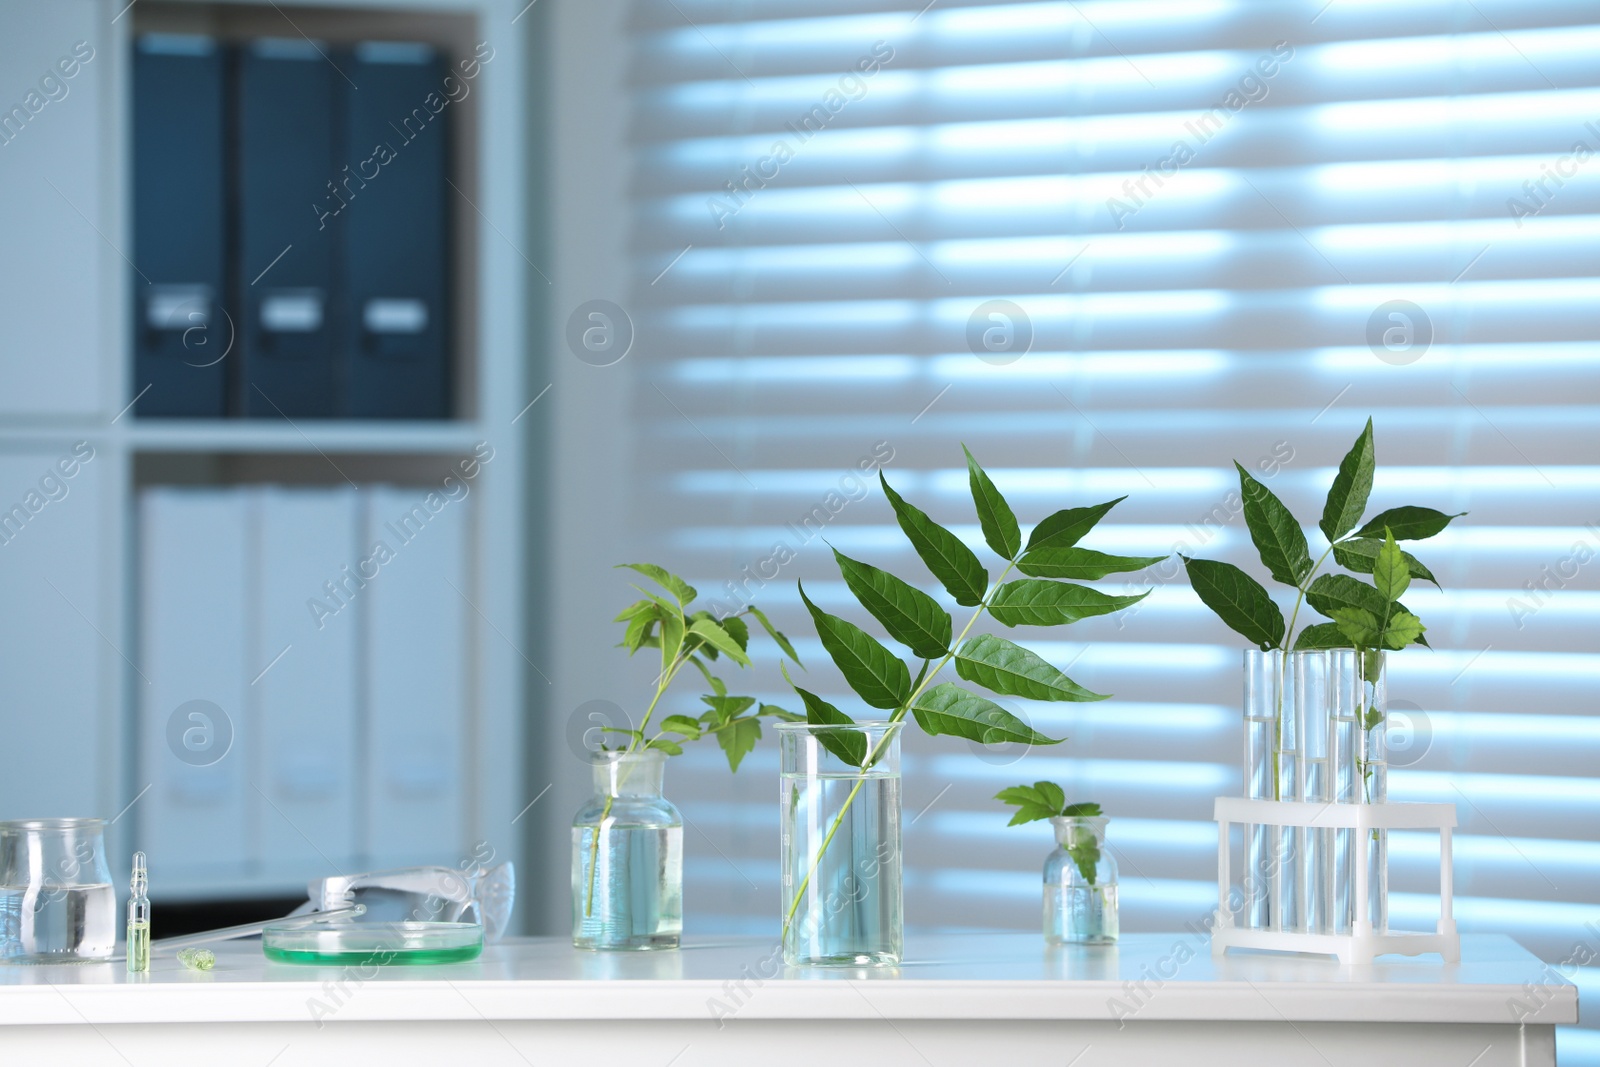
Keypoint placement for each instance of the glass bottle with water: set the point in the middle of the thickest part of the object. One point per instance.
(57, 904)
(627, 858)
(1080, 884)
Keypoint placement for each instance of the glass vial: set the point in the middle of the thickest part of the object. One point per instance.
(1080, 884)
(1374, 780)
(841, 898)
(1311, 693)
(139, 918)
(627, 858)
(1272, 772)
(1347, 697)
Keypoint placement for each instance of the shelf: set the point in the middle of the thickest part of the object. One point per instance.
(306, 435)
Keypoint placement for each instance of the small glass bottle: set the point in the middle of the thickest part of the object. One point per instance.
(1080, 884)
(139, 918)
(627, 858)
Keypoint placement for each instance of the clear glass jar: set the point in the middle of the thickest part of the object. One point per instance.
(57, 903)
(842, 903)
(627, 858)
(1080, 884)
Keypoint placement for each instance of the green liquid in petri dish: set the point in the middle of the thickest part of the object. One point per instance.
(398, 943)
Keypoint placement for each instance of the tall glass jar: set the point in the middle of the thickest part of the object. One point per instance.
(839, 794)
(1080, 884)
(627, 858)
(57, 903)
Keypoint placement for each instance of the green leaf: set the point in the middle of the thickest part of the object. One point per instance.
(1032, 602)
(1331, 591)
(1041, 800)
(911, 616)
(736, 629)
(952, 562)
(999, 523)
(1084, 564)
(849, 745)
(724, 707)
(1408, 523)
(1347, 497)
(639, 628)
(1358, 624)
(1067, 527)
(782, 714)
(772, 632)
(720, 639)
(739, 740)
(1322, 635)
(671, 748)
(1053, 795)
(1371, 666)
(1275, 532)
(949, 709)
(1404, 628)
(679, 588)
(1011, 670)
(1238, 600)
(1373, 717)
(1030, 812)
(637, 608)
(1390, 574)
(877, 676)
(1087, 809)
(1021, 794)
(1359, 553)
(701, 647)
(671, 639)
(1085, 853)
(681, 724)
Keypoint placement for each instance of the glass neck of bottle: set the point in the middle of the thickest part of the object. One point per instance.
(629, 774)
(1073, 831)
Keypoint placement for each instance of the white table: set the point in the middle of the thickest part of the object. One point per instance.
(959, 999)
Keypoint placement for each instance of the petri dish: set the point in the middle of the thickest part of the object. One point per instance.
(375, 942)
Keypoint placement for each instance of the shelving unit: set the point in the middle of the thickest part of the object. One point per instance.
(69, 646)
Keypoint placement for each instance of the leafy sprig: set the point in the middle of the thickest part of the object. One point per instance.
(916, 621)
(1047, 800)
(685, 637)
(1364, 616)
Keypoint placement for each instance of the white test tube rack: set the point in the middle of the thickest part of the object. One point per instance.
(1362, 943)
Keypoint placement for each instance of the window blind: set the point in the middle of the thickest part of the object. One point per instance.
(1113, 246)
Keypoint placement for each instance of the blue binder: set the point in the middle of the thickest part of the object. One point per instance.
(288, 95)
(392, 219)
(182, 329)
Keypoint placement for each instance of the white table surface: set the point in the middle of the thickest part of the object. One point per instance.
(978, 977)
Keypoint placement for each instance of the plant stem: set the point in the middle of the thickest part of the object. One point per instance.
(1283, 660)
(924, 679)
(633, 746)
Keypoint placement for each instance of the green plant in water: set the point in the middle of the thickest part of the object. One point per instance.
(1368, 618)
(686, 637)
(1047, 800)
(914, 619)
